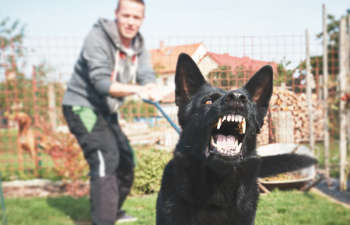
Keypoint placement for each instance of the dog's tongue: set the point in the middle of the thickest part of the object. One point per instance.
(225, 142)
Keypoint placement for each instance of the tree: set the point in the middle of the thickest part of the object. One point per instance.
(333, 29)
(16, 87)
(11, 58)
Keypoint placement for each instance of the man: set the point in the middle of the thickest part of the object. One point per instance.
(113, 63)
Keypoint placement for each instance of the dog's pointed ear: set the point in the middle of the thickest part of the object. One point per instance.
(188, 79)
(260, 88)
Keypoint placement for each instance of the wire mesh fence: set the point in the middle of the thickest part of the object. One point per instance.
(32, 86)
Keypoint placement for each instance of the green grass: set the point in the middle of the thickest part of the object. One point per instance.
(10, 169)
(287, 208)
(276, 208)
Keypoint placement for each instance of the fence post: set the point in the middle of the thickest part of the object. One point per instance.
(309, 92)
(348, 83)
(2, 202)
(343, 70)
(36, 114)
(52, 105)
(325, 91)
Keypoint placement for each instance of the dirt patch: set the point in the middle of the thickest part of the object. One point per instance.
(44, 188)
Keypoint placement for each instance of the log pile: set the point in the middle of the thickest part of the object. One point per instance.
(162, 134)
(286, 106)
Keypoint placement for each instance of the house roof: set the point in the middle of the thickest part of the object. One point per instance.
(248, 64)
(164, 59)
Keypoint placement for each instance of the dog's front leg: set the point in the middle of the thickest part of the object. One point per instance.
(191, 177)
(20, 154)
(248, 192)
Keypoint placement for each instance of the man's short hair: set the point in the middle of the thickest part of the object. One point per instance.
(138, 1)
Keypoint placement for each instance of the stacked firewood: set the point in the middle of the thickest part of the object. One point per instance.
(291, 110)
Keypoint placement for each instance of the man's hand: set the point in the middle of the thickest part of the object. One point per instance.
(150, 91)
(154, 92)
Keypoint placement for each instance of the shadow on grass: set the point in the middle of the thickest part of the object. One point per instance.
(78, 209)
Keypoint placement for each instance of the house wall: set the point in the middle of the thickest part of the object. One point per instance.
(167, 80)
(206, 65)
(199, 53)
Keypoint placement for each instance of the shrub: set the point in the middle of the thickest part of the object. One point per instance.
(150, 164)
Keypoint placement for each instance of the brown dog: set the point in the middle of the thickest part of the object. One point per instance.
(26, 139)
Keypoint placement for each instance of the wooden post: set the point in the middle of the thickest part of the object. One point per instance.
(35, 114)
(348, 83)
(343, 70)
(309, 92)
(325, 91)
(52, 106)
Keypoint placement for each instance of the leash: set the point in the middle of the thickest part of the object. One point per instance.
(2, 202)
(157, 105)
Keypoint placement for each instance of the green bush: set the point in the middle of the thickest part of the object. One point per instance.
(149, 170)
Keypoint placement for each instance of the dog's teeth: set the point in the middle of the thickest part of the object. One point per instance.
(239, 147)
(229, 118)
(243, 126)
(239, 119)
(224, 118)
(213, 142)
(219, 124)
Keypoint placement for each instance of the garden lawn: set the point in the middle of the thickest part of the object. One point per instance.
(276, 208)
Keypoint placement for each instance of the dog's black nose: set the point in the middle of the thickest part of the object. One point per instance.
(234, 97)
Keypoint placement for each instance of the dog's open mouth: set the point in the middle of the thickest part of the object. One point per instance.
(227, 135)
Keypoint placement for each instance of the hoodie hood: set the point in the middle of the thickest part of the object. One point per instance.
(110, 29)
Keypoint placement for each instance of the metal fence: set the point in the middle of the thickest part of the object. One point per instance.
(34, 85)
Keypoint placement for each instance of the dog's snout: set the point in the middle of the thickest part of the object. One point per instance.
(234, 97)
(242, 98)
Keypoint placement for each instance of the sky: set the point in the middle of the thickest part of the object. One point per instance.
(177, 18)
(180, 17)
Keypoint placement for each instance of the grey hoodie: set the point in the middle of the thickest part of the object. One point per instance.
(91, 79)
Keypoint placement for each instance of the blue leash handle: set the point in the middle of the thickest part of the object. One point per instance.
(157, 105)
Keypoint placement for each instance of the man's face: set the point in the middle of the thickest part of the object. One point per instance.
(129, 18)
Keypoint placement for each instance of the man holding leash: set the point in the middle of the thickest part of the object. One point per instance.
(113, 64)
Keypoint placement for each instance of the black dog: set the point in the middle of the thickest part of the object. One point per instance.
(212, 178)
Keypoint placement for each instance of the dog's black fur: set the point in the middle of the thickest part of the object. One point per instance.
(202, 185)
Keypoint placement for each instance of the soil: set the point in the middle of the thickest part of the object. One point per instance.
(44, 188)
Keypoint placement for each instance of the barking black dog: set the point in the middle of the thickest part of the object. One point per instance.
(212, 178)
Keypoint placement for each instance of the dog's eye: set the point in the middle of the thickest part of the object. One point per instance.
(208, 102)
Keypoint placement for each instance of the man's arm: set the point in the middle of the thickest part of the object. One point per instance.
(148, 91)
(118, 89)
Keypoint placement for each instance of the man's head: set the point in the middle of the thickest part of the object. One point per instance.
(130, 15)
